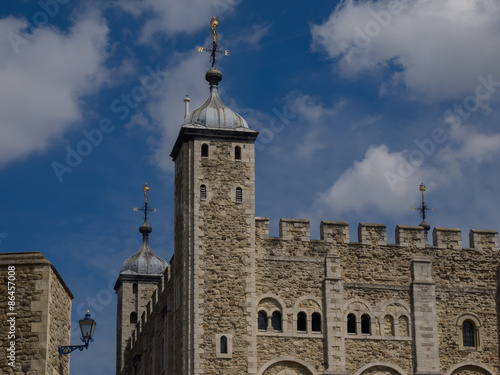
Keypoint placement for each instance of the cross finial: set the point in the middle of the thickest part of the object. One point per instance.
(423, 209)
(145, 208)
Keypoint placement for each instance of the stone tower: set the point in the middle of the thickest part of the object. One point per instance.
(138, 278)
(214, 260)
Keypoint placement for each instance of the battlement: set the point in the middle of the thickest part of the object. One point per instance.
(298, 230)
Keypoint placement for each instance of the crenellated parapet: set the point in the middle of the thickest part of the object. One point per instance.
(337, 232)
(407, 235)
(483, 239)
(447, 238)
(295, 229)
(334, 231)
(372, 234)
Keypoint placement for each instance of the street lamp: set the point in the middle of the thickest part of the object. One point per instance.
(87, 326)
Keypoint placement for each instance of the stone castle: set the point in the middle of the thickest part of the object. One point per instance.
(235, 301)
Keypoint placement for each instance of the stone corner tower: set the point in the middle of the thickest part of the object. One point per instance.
(214, 262)
(139, 277)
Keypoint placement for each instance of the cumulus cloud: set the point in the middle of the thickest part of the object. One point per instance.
(385, 181)
(437, 48)
(176, 16)
(165, 109)
(43, 76)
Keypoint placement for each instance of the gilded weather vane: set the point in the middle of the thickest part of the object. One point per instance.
(213, 48)
(145, 208)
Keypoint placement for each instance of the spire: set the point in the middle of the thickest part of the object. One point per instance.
(213, 113)
(423, 209)
(145, 261)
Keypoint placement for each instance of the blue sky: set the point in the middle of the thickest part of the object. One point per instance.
(357, 104)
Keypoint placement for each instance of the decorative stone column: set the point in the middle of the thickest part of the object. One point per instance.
(333, 300)
(424, 318)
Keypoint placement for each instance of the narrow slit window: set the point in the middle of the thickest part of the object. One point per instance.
(468, 334)
(239, 195)
(351, 323)
(204, 150)
(134, 288)
(203, 192)
(133, 318)
(237, 153)
(276, 321)
(262, 321)
(316, 322)
(223, 345)
(365, 324)
(301, 321)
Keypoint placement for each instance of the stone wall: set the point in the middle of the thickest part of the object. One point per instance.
(43, 307)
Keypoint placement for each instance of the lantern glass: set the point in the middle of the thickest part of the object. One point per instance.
(87, 326)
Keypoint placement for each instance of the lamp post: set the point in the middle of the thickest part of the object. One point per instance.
(87, 326)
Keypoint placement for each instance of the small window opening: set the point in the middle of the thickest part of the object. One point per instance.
(365, 324)
(301, 321)
(239, 195)
(134, 288)
(203, 192)
(262, 321)
(133, 318)
(468, 334)
(223, 345)
(351, 323)
(388, 325)
(276, 321)
(237, 153)
(316, 322)
(204, 150)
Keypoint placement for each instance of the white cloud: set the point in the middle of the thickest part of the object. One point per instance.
(441, 45)
(165, 109)
(386, 181)
(41, 85)
(365, 185)
(176, 16)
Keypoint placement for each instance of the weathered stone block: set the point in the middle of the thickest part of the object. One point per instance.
(447, 238)
(407, 235)
(295, 230)
(334, 231)
(372, 234)
(483, 239)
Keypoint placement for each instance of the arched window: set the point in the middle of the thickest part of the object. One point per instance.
(316, 322)
(204, 150)
(301, 321)
(223, 345)
(388, 325)
(134, 288)
(276, 321)
(203, 192)
(239, 195)
(262, 321)
(365, 324)
(133, 318)
(404, 326)
(351, 323)
(237, 153)
(468, 334)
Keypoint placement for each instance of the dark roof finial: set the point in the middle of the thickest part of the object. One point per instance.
(423, 209)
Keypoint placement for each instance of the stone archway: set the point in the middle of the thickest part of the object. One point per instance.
(380, 368)
(287, 366)
(470, 368)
